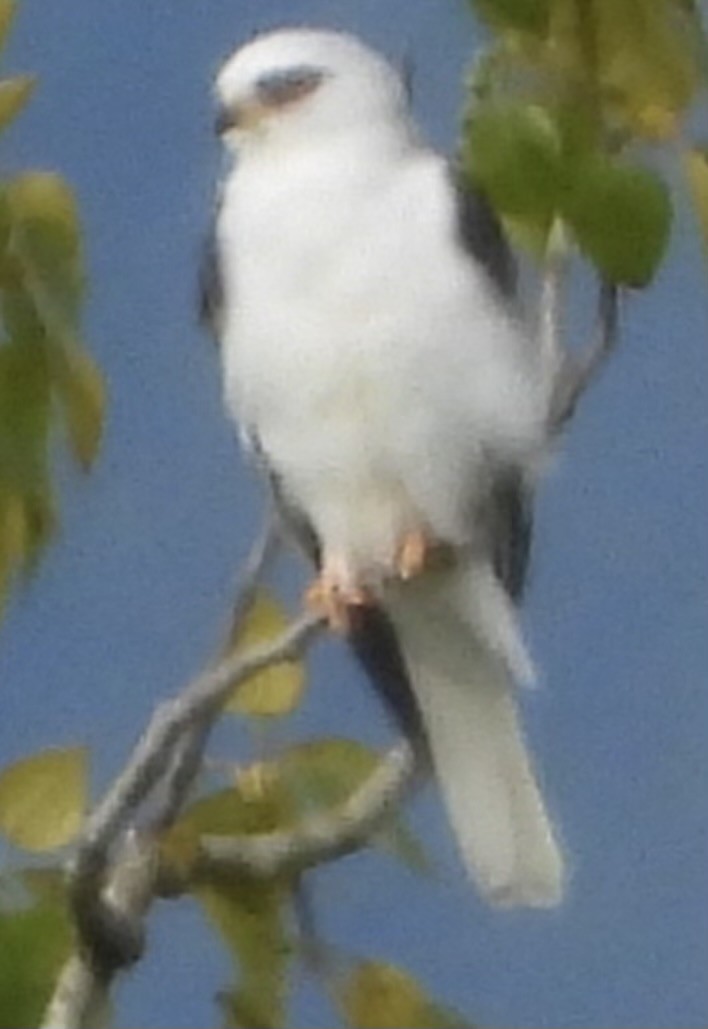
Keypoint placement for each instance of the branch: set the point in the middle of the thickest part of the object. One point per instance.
(187, 755)
(319, 838)
(113, 877)
(576, 372)
(550, 327)
(110, 897)
(80, 998)
(202, 698)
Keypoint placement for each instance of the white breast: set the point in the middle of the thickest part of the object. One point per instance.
(369, 356)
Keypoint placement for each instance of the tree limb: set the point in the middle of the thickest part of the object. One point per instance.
(576, 372)
(319, 838)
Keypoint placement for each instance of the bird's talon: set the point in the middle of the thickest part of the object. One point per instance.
(334, 602)
(413, 554)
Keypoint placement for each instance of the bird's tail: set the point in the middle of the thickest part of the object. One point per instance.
(458, 635)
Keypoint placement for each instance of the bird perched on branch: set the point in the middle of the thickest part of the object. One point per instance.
(374, 361)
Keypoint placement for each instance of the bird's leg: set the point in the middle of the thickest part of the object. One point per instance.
(335, 592)
(413, 554)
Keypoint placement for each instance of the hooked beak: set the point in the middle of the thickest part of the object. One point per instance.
(227, 118)
(243, 116)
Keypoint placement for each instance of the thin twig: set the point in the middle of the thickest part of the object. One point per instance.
(319, 838)
(188, 753)
(204, 696)
(577, 372)
(550, 319)
(262, 554)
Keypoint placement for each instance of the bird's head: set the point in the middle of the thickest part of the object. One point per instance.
(303, 84)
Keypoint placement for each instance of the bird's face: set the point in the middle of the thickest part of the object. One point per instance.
(304, 84)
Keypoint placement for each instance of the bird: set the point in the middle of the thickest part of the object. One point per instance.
(382, 375)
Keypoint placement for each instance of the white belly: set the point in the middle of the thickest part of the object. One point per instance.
(380, 384)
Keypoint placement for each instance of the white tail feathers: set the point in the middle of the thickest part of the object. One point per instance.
(461, 647)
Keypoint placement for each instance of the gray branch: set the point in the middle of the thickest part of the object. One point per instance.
(575, 372)
(319, 838)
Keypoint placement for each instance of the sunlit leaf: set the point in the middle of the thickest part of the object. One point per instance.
(513, 150)
(13, 529)
(275, 690)
(521, 15)
(43, 798)
(24, 416)
(645, 62)
(696, 168)
(233, 811)
(82, 392)
(7, 14)
(379, 995)
(14, 94)
(621, 216)
(249, 918)
(47, 239)
(35, 941)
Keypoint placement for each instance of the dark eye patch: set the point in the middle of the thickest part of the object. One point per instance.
(290, 84)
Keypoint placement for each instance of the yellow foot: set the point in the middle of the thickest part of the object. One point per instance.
(413, 554)
(334, 596)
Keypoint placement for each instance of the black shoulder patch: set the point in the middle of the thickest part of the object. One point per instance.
(210, 298)
(482, 236)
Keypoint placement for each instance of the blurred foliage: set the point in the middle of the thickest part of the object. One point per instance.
(278, 689)
(43, 798)
(251, 919)
(35, 941)
(696, 168)
(378, 995)
(572, 111)
(46, 376)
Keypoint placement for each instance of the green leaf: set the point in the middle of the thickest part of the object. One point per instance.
(7, 15)
(249, 918)
(621, 216)
(14, 95)
(520, 15)
(82, 392)
(379, 995)
(258, 803)
(35, 942)
(24, 417)
(274, 691)
(43, 798)
(47, 240)
(646, 64)
(514, 152)
(242, 808)
(26, 507)
(695, 163)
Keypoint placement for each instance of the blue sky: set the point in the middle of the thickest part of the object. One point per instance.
(131, 600)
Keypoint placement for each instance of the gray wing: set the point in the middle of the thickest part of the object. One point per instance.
(509, 510)
(210, 284)
(481, 235)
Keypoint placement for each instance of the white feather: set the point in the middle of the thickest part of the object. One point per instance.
(461, 677)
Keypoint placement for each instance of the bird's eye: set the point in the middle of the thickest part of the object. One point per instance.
(284, 87)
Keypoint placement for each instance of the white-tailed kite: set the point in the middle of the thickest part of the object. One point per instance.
(374, 360)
